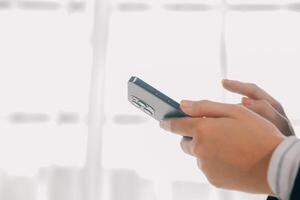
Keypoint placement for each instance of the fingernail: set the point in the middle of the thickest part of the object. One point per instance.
(187, 105)
(246, 101)
(165, 125)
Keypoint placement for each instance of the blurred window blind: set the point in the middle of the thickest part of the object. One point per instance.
(184, 48)
(45, 71)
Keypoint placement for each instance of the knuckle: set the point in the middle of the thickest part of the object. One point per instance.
(203, 131)
(253, 89)
(215, 183)
(264, 107)
(239, 108)
(267, 109)
(253, 86)
(200, 128)
(171, 125)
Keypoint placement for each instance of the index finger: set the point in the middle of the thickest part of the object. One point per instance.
(185, 126)
(248, 89)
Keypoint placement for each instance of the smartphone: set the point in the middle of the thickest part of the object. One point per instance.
(151, 101)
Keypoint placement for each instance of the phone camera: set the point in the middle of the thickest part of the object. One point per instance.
(136, 104)
(142, 105)
(149, 112)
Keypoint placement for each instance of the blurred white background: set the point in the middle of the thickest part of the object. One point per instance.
(66, 128)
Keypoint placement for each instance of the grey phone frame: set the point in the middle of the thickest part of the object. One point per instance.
(152, 101)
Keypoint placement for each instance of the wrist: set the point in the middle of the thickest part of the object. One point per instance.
(259, 172)
(267, 187)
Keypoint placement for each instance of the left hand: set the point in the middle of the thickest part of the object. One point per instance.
(232, 144)
(262, 103)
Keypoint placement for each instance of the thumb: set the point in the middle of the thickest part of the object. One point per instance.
(206, 108)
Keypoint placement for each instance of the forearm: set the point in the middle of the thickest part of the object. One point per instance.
(283, 167)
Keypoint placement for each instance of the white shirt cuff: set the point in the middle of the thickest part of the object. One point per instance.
(284, 166)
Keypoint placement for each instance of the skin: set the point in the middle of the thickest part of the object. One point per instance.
(259, 101)
(229, 141)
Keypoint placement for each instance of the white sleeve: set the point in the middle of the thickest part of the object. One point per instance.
(283, 167)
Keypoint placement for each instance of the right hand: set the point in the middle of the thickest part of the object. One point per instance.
(262, 103)
(229, 142)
